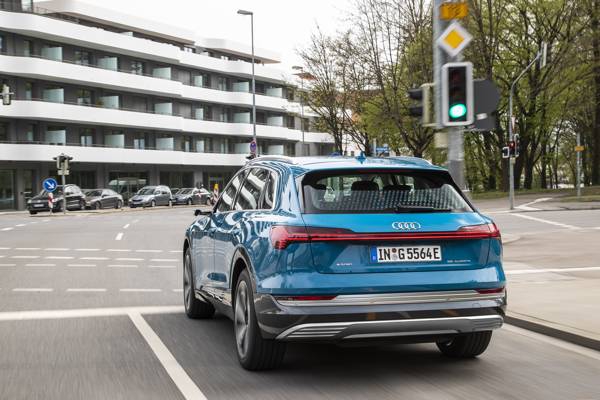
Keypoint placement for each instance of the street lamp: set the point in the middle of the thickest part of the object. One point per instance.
(300, 74)
(253, 149)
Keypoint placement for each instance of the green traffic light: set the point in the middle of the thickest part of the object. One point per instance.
(457, 110)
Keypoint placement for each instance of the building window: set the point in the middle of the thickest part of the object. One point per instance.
(109, 62)
(84, 97)
(54, 94)
(186, 143)
(28, 90)
(7, 189)
(139, 141)
(114, 138)
(30, 133)
(200, 146)
(86, 137)
(3, 132)
(83, 57)
(27, 48)
(222, 83)
(137, 67)
(56, 135)
(51, 52)
(2, 44)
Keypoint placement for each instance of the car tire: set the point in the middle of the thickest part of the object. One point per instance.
(466, 346)
(153, 204)
(58, 208)
(170, 204)
(119, 205)
(97, 205)
(81, 205)
(190, 202)
(254, 352)
(32, 212)
(194, 308)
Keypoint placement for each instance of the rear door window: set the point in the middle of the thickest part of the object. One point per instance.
(389, 191)
(269, 194)
(249, 196)
(228, 197)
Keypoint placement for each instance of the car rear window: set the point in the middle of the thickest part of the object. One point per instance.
(393, 191)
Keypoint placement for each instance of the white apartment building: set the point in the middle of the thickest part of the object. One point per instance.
(134, 102)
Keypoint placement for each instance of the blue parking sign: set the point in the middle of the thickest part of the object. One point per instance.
(50, 184)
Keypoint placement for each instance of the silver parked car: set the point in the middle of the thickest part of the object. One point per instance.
(151, 196)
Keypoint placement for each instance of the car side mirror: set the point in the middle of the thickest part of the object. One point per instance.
(199, 212)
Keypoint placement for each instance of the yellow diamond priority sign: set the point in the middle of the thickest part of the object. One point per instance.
(454, 39)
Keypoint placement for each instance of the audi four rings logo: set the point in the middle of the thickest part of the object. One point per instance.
(406, 226)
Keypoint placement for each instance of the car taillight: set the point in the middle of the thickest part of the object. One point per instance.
(283, 235)
(481, 231)
(490, 291)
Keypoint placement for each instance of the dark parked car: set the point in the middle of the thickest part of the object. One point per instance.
(150, 196)
(103, 198)
(71, 193)
(191, 196)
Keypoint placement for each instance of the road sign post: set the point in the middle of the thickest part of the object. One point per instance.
(62, 166)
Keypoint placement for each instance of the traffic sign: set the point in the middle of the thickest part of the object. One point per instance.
(454, 11)
(579, 148)
(454, 39)
(50, 184)
(253, 147)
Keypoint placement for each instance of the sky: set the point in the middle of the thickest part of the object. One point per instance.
(279, 25)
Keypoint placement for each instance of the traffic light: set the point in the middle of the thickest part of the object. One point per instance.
(457, 94)
(517, 145)
(424, 107)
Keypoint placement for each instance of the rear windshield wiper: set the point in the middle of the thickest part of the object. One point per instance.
(418, 209)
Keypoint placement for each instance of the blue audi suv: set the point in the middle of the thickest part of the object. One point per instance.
(344, 249)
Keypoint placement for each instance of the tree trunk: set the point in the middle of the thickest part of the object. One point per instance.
(544, 169)
(595, 150)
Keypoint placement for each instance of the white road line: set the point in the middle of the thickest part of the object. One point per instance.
(545, 221)
(178, 290)
(125, 226)
(86, 290)
(81, 265)
(184, 383)
(162, 266)
(20, 225)
(33, 290)
(40, 265)
(164, 260)
(122, 266)
(134, 221)
(129, 259)
(5, 248)
(93, 258)
(87, 249)
(174, 251)
(119, 236)
(59, 257)
(119, 250)
(27, 248)
(552, 341)
(56, 249)
(132, 290)
(149, 251)
(2, 256)
(546, 270)
(8, 265)
(46, 220)
(25, 257)
(525, 207)
(86, 313)
(7, 229)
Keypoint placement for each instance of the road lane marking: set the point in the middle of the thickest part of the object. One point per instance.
(119, 250)
(545, 270)
(119, 236)
(87, 249)
(86, 290)
(125, 226)
(129, 259)
(33, 290)
(59, 257)
(81, 265)
(164, 260)
(40, 265)
(180, 290)
(122, 266)
(20, 225)
(93, 258)
(133, 290)
(184, 383)
(25, 257)
(5, 248)
(27, 248)
(162, 266)
(584, 351)
(174, 251)
(7, 229)
(87, 312)
(149, 251)
(57, 249)
(8, 265)
(545, 221)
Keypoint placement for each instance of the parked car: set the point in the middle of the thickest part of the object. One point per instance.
(102, 198)
(393, 250)
(151, 196)
(72, 194)
(191, 196)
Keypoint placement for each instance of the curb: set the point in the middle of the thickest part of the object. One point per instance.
(553, 332)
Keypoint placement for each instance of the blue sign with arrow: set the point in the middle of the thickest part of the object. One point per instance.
(50, 184)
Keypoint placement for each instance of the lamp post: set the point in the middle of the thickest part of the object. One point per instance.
(255, 147)
(300, 74)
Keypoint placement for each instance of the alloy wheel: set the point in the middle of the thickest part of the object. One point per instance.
(187, 283)
(242, 318)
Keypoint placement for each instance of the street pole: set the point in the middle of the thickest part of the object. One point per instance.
(301, 76)
(251, 14)
(63, 188)
(511, 135)
(578, 179)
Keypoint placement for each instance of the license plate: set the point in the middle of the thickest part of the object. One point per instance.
(39, 205)
(406, 254)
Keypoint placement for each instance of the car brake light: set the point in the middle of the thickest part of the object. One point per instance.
(490, 291)
(283, 235)
(481, 231)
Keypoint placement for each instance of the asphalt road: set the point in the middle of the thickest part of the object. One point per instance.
(90, 307)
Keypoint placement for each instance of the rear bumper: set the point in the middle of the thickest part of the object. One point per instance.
(410, 316)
